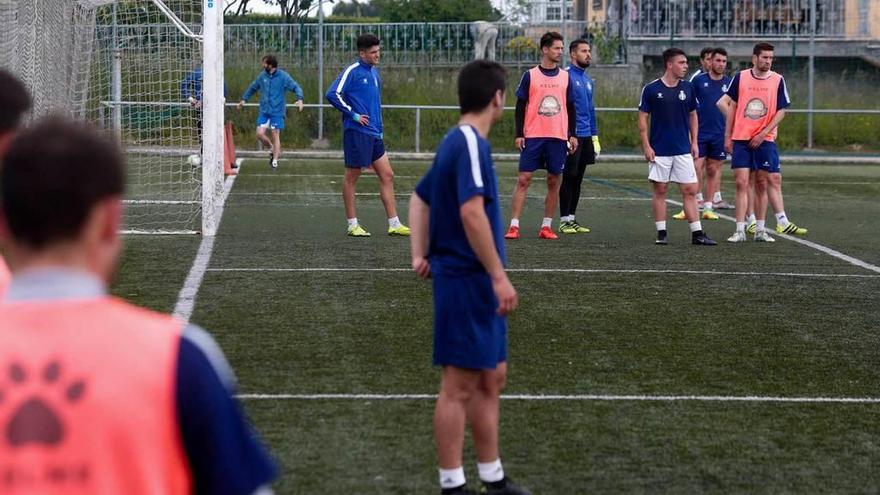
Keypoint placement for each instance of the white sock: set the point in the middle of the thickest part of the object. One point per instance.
(760, 226)
(741, 227)
(451, 478)
(546, 222)
(781, 219)
(660, 225)
(394, 222)
(567, 218)
(352, 222)
(717, 197)
(699, 197)
(751, 218)
(514, 222)
(490, 472)
(695, 226)
(707, 205)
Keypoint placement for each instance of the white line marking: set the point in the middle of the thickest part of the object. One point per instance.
(158, 202)
(831, 252)
(186, 299)
(406, 195)
(579, 397)
(564, 271)
(787, 182)
(159, 232)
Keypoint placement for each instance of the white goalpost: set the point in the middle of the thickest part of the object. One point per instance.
(129, 66)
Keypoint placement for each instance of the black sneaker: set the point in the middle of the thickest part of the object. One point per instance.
(700, 238)
(459, 490)
(661, 238)
(503, 487)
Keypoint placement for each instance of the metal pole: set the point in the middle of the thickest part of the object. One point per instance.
(320, 68)
(116, 81)
(811, 75)
(418, 129)
(212, 114)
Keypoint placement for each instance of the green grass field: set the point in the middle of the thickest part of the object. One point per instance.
(606, 314)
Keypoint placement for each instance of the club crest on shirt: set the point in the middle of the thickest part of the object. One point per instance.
(659, 96)
(682, 96)
(755, 109)
(549, 106)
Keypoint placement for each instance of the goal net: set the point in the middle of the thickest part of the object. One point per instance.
(128, 66)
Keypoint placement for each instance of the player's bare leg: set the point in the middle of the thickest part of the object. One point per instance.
(483, 413)
(261, 135)
(457, 388)
(658, 200)
(689, 199)
(523, 181)
(774, 192)
(761, 184)
(349, 187)
(276, 143)
(713, 179)
(742, 178)
(551, 201)
(383, 170)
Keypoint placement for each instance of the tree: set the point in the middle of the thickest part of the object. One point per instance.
(293, 10)
(355, 9)
(239, 5)
(435, 10)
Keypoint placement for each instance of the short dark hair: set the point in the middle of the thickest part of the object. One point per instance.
(271, 61)
(576, 43)
(48, 187)
(549, 37)
(367, 41)
(706, 51)
(478, 82)
(719, 51)
(669, 53)
(762, 47)
(14, 101)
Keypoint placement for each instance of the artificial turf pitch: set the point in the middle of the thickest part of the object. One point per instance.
(602, 314)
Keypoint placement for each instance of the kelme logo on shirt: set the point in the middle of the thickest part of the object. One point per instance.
(549, 106)
(682, 96)
(724, 88)
(29, 406)
(755, 109)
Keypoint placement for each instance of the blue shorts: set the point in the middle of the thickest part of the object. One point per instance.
(713, 150)
(361, 149)
(270, 121)
(547, 153)
(764, 157)
(468, 333)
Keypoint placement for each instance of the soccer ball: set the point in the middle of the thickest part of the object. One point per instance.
(194, 160)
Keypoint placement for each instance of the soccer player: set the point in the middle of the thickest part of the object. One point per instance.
(100, 396)
(670, 151)
(709, 87)
(457, 240)
(587, 133)
(705, 62)
(754, 106)
(14, 102)
(357, 94)
(545, 125)
(272, 83)
(191, 90)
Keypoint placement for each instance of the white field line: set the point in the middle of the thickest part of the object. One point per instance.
(406, 195)
(577, 397)
(158, 232)
(564, 271)
(186, 299)
(512, 177)
(818, 247)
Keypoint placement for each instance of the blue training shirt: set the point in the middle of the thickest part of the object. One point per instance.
(191, 86)
(358, 91)
(462, 169)
(585, 121)
(708, 91)
(782, 99)
(670, 110)
(272, 88)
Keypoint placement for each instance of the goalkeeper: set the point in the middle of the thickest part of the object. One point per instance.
(587, 135)
(272, 83)
(191, 89)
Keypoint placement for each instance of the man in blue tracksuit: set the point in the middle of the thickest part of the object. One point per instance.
(587, 134)
(357, 94)
(272, 83)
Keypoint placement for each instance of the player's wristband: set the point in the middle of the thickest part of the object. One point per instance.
(356, 117)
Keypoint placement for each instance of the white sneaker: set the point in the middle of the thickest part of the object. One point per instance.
(737, 236)
(763, 236)
(274, 163)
